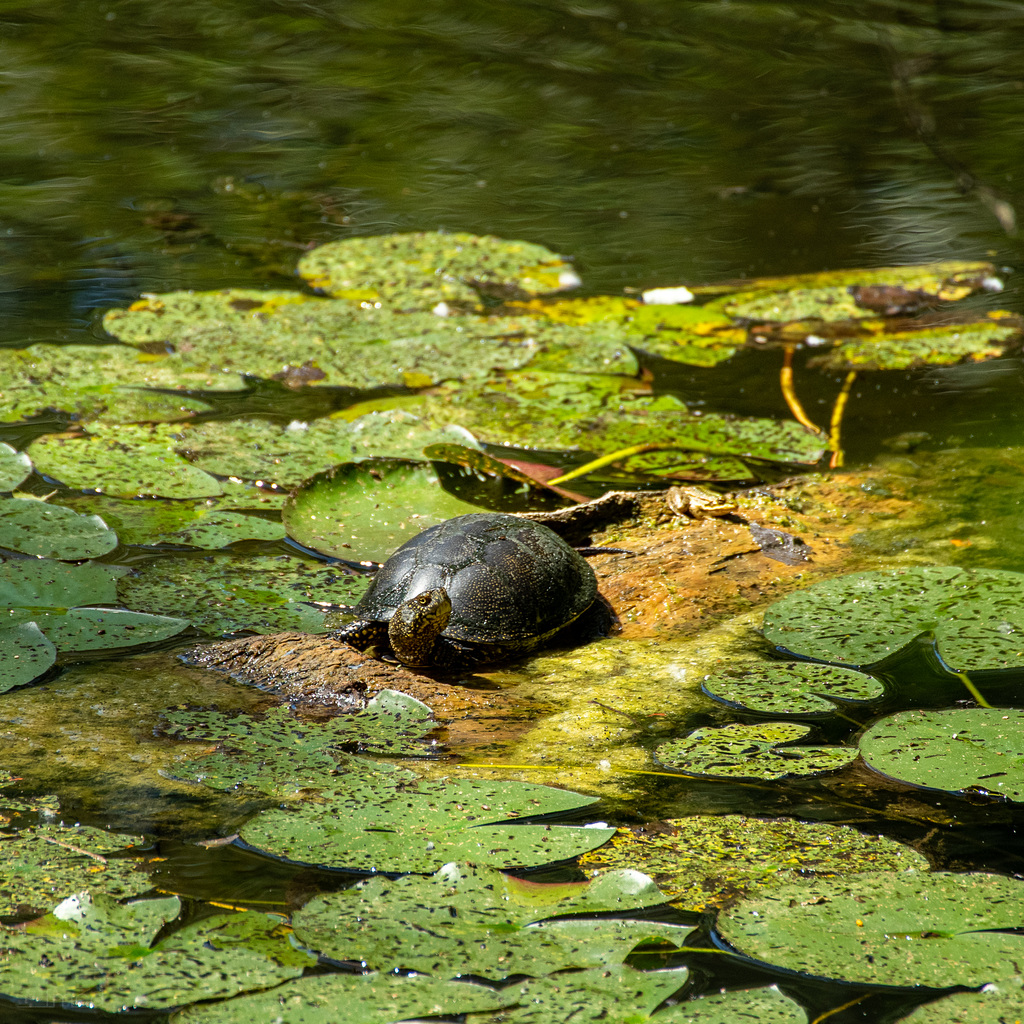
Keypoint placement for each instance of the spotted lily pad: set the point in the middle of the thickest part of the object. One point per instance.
(126, 462)
(92, 951)
(701, 862)
(25, 654)
(907, 928)
(848, 294)
(793, 688)
(467, 920)
(52, 531)
(226, 593)
(994, 1003)
(751, 752)
(15, 466)
(348, 999)
(43, 864)
(417, 271)
(364, 511)
(975, 616)
(977, 749)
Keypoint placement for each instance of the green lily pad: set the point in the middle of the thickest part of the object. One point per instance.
(227, 593)
(15, 466)
(752, 752)
(43, 584)
(52, 531)
(417, 271)
(994, 1004)
(979, 749)
(612, 993)
(25, 654)
(595, 414)
(467, 920)
(102, 383)
(795, 688)
(701, 862)
(943, 345)
(43, 864)
(975, 616)
(348, 999)
(388, 823)
(364, 511)
(99, 629)
(850, 294)
(92, 951)
(126, 462)
(200, 525)
(302, 339)
(910, 928)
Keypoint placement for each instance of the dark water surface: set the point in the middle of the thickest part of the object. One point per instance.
(147, 145)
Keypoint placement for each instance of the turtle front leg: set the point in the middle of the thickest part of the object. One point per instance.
(363, 634)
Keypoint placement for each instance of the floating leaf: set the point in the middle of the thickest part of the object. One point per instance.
(848, 294)
(471, 920)
(417, 271)
(228, 593)
(25, 654)
(751, 752)
(126, 461)
(200, 525)
(953, 750)
(597, 995)
(994, 1004)
(15, 466)
(348, 999)
(97, 629)
(975, 615)
(45, 584)
(795, 688)
(364, 511)
(93, 951)
(390, 824)
(701, 862)
(911, 928)
(886, 349)
(43, 864)
(594, 414)
(52, 531)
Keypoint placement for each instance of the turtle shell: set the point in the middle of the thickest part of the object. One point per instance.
(511, 581)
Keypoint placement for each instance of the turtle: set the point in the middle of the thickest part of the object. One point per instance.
(475, 589)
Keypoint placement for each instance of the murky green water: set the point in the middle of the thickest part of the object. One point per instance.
(148, 146)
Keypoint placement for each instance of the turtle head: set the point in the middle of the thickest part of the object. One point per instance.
(416, 625)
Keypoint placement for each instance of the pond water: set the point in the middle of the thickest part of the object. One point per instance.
(149, 146)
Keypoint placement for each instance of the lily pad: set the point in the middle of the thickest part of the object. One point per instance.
(100, 629)
(365, 510)
(974, 615)
(752, 752)
(15, 466)
(702, 863)
(467, 920)
(92, 951)
(417, 271)
(47, 584)
(227, 593)
(52, 531)
(794, 688)
(392, 824)
(994, 1004)
(849, 294)
(944, 345)
(102, 383)
(25, 654)
(612, 993)
(598, 415)
(348, 999)
(911, 928)
(976, 749)
(200, 525)
(43, 864)
(127, 462)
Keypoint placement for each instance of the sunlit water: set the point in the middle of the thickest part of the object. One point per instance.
(148, 146)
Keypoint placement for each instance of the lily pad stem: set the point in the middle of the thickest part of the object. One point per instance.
(972, 689)
(622, 453)
(789, 393)
(835, 425)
